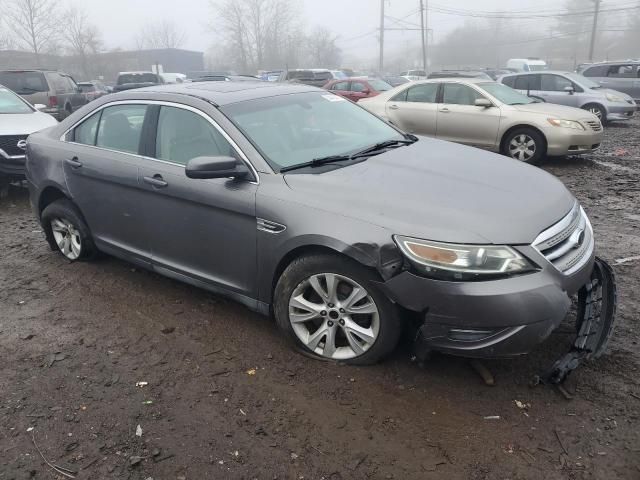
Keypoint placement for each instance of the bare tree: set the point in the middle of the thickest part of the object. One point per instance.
(322, 48)
(34, 24)
(82, 39)
(163, 35)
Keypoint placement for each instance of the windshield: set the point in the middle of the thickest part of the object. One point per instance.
(137, 78)
(505, 94)
(379, 85)
(11, 103)
(24, 83)
(293, 129)
(584, 81)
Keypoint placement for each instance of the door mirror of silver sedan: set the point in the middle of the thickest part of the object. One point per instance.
(569, 90)
(216, 167)
(483, 102)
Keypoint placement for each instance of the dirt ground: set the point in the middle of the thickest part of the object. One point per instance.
(226, 397)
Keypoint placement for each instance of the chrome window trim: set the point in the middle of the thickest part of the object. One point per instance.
(215, 125)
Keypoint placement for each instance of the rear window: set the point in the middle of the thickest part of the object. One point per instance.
(24, 83)
(137, 78)
(322, 75)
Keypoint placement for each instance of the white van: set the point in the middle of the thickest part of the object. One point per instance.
(527, 64)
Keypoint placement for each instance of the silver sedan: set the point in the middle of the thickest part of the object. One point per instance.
(488, 115)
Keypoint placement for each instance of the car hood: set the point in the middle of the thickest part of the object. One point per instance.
(25, 123)
(440, 191)
(561, 111)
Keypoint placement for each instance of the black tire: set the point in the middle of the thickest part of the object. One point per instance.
(304, 267)
(66, 210)
(597, 110)
(516, 135)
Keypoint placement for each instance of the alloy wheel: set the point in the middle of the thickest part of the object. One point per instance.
(522, 147)
(334, 316)
(67, 238)
(596, 111)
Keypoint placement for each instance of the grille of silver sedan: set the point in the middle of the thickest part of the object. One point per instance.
(569, 243)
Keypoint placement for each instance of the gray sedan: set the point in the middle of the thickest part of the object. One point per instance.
(297, 202)
(574, 90)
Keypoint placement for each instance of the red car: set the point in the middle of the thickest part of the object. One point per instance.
(356, 88)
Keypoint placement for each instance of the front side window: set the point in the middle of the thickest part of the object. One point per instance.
(554, 83)
(340, 86)
(292, 129)
(121, 127)
(85, 133)
(458, 94)
(596, 71)
(184, 135)
(509, 81)
(425, 93)
(622, 71)
(527, 82)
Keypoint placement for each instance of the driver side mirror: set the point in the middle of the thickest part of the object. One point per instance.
(216, 167)
(569, 90)
(482, 102)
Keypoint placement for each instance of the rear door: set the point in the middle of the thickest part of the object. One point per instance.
(203, 229)
(341, 88)
(415, 109)
(460, 120)
(101, 170)
(552, 90)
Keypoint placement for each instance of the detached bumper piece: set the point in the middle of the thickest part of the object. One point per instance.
(595, 320)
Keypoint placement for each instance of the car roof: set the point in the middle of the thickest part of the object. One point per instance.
(557, 72)
(225, 93)
(137, 72)
(455, 79)
(612, 62)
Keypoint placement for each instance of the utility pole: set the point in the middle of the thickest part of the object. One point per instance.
(381, 63)
(424, 44)
(426, 35)
(593, 29)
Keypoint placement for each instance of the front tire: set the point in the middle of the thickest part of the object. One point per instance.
(67, 232)
(329, 306)
(525, 145)
(598, 111)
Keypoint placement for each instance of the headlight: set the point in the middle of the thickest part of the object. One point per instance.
(462, 262)
(556, 122)
(614, 98)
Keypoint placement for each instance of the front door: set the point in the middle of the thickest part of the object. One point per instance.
(552, 90)
(101, 171)
(415, 110)
(201, 229)
(460, 120)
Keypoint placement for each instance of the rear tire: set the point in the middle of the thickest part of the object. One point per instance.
(353, 322)
(67, 232)
(525, 145)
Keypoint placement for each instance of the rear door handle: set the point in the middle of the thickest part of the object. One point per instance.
(393, 107)
(74, 162)
(444, 110)
(155, 181)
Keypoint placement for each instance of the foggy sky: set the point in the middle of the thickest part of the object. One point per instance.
(120, 20)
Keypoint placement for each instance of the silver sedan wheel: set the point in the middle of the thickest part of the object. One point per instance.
(334, 316)
(67, 238)
(522, 147)
(596, 111)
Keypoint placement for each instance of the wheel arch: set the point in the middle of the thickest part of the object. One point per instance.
(50, 194)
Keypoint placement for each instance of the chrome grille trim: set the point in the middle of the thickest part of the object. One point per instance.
(568, 244)
(595, 125)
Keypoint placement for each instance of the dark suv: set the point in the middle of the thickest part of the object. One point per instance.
(131, 80)
(314, 76)
(58, 91)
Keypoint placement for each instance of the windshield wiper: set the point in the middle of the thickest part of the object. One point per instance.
(367, 152)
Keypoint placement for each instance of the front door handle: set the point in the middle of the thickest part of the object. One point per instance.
(155, 181)
(74, 162)
(444, 110)
(393, 107)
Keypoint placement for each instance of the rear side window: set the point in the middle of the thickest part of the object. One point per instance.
(24, 83)
(183, 135)
(596, 71)
(527, 82)
(85, 133)
(340, 86)
(622, 71)
(425, 93)
(121, 127)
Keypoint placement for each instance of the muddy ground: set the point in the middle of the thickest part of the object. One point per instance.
(226, 398)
